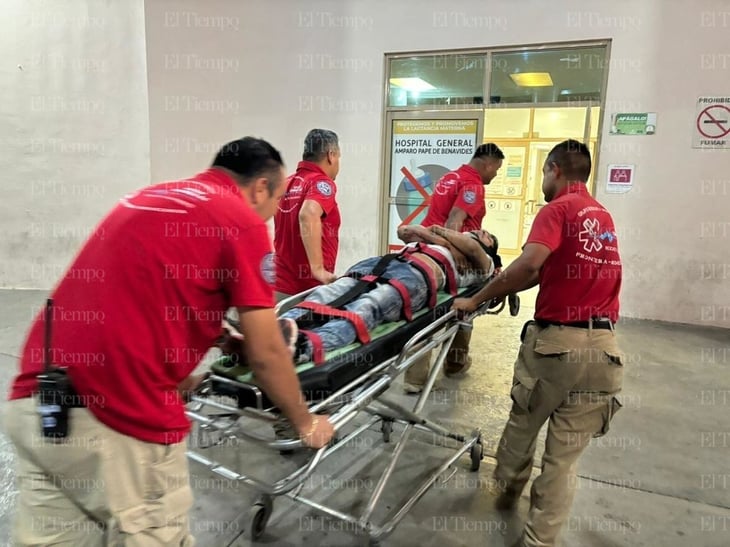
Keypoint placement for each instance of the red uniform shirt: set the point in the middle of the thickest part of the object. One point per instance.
(142, 302)
(293, 274)
(582, 276)
(462, 188)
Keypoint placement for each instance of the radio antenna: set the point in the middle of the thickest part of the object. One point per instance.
(47, 353)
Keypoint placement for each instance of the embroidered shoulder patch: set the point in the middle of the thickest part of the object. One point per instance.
(324, 188)
(268, 268)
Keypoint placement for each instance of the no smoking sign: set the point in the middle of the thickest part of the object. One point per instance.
(712, 124)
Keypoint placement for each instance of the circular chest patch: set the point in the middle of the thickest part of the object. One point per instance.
(470, 197)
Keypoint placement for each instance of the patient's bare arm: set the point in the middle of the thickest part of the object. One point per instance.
(478, 257)
(417, 233)
(449, 235)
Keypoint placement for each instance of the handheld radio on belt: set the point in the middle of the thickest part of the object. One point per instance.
(54, 389)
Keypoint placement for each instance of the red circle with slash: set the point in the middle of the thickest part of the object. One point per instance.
(709, 116)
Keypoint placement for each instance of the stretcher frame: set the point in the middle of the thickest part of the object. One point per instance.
(342, 407)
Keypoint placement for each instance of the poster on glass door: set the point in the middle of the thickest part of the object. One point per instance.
(423, 151)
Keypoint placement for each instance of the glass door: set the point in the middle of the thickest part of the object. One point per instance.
(526, 136)
(524, 99)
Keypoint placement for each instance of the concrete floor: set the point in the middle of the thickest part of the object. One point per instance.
(659, 479)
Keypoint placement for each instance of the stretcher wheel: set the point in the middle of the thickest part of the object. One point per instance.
(259, 517)
(387, 428)
(477, 453)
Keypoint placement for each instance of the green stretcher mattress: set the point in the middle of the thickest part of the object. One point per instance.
(340, 366)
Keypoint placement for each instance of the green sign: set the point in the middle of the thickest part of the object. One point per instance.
(634, 123)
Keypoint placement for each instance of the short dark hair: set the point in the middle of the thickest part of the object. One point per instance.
(573, 158)
(250, 158)
(318, 143)
(488, 150)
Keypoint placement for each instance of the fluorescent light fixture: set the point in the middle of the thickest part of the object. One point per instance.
(532, 79)
(411, 84)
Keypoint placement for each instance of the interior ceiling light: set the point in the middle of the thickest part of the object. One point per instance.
(532, 79)
(411, 84)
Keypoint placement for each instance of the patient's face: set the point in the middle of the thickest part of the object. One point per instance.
(485, 237)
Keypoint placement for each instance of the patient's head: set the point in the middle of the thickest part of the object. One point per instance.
(489, 243)
(486, 240)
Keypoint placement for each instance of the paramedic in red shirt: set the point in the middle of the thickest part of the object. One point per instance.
(138, 308)
(569, 366)
(307, 222)
(457, 202)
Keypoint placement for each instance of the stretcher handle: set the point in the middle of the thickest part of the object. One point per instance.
(483, 309)
(291, 301)
(432, 327)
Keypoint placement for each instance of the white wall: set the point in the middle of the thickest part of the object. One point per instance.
(676, 223)
(75, 131)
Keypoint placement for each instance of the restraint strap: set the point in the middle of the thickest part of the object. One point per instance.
(442, 261)
(398, 286)
(427, 272)
(328, 311)
(364, 286)
(317, 347)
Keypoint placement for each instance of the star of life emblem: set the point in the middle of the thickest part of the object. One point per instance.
(589, 237)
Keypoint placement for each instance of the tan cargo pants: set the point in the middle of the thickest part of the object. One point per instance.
(566, 376)
(458, 359)
(97, 487)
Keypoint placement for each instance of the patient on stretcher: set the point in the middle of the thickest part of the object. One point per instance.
(389, 288)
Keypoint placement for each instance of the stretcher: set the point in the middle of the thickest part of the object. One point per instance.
(351, 382)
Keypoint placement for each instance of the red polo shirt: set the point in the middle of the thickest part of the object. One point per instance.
(309, 182)
(142, 302)
(462, 188)
(582, 276)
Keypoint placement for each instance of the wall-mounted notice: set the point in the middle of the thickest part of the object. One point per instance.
(620, 178)
(712, 123)
(633, 123)
(422, 151)
(508, 182)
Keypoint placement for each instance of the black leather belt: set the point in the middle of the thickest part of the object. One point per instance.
(600, 323)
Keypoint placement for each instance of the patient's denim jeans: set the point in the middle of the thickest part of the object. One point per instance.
(381, 304)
